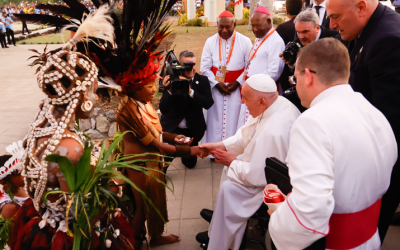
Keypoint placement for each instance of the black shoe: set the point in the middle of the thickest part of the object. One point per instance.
(207, 214)
(395, 220)
(6, 47)
(203, 239)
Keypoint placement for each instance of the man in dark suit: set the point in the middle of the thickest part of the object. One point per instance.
(320, 7)
(374, 34)
(286, 30)
(183, 114)
(308, 30)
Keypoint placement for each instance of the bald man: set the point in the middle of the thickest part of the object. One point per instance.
(264, 55)
(223, 61)
(374, 34)
(341, 154)
(266, 134)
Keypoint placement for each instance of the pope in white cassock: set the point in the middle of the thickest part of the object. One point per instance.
(341, 154)
(266, 134)
(263, 57)
(223, 62)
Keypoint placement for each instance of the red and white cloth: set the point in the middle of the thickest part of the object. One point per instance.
(223, 116)
(340, 159)
(273, 196)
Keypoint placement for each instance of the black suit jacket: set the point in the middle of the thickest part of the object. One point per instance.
(326, 22)
(375, 64)
(287, 31)
(176, 108)
(283, 80)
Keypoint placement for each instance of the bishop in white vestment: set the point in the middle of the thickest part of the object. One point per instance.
(264, 135)
(264, 54)
(223, 60)
(341, 154)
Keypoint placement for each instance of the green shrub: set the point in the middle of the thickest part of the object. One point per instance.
(243, 21)
(182, 18)
(195, 22)
(278, 20)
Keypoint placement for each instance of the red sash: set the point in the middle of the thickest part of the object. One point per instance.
(231, 75)
(348, 231)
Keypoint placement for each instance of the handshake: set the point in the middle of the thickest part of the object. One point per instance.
(218, 151)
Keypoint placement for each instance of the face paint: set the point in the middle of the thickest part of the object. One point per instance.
(77, 149)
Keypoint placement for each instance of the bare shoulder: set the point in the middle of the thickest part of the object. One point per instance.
(9, 210)
(70, 148)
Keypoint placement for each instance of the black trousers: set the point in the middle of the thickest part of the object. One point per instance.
(24, 27)
(3, 40)
(10, 35)
(390, 202)
(191, 161)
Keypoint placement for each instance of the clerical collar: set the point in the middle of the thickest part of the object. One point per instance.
(338, 90)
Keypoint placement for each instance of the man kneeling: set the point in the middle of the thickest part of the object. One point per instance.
(266, 134)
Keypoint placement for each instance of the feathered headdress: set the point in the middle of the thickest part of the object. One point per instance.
(14, 163)
(133, 60)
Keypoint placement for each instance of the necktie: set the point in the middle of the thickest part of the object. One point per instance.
(317, 8)
(191, 83)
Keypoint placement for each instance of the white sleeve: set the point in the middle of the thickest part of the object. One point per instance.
(235, 144)
(304, 217)
(247, 46)
(207, 63)
(251, 173)
(275, 64)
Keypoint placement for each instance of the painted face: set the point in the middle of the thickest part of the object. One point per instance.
(146, 94)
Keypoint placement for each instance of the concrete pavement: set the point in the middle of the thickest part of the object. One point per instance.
(194, 188)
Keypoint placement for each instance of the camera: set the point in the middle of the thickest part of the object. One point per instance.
(292, 96)
(172, 68)
(290, 52)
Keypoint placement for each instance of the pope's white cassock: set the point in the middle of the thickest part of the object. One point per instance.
(223, 116)
(266, 61)
(342, 151)
(240, 196)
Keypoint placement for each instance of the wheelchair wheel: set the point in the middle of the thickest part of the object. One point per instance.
(268, 241)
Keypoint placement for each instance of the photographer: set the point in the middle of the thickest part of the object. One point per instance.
(183, 113)
(308, 30)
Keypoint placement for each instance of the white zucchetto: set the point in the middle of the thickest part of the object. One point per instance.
(262, 83)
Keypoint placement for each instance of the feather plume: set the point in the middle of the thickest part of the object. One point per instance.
(97, 25)
(43, 19)
(60, 9)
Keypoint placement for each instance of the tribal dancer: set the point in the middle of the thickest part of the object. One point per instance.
(132, 63)
(69, 79)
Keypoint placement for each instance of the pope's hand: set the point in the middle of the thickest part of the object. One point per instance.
(223, 157)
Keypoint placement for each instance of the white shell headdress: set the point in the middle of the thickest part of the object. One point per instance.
(14, 163)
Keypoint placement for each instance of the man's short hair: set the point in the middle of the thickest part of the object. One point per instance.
(328, 57)
(186, 53)
(308, 15)
(293, 7)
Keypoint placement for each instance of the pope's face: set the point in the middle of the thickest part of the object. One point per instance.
(252, 103)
